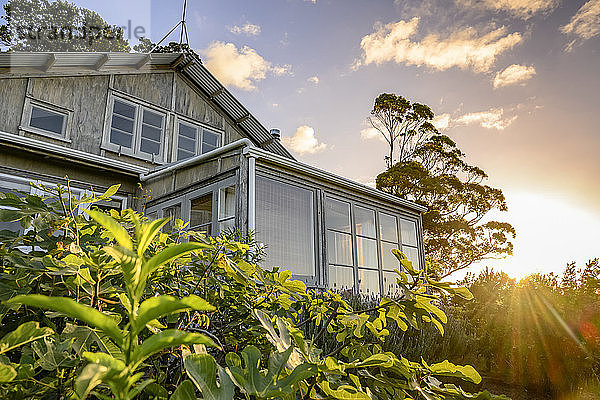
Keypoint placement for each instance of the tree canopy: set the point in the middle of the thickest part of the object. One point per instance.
(43, 25)
(431, 170)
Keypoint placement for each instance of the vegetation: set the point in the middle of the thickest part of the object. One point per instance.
(427, 167)
(109, 306)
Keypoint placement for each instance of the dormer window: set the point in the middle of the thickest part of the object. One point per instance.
(136, 130)
(45, 119)
(193, 139)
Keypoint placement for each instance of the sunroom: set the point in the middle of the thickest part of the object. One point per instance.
(329, 231)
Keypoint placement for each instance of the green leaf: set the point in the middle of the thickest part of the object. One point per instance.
(7, 373)
(343, 392)
(202, 370)
(185, 391)
(75, 310)
(169, 254)
(54, 354)
(465, 372)
(159, 306)
(166, 339)
(25, 333)
(108, 223)
(148, 232)
(90, 377)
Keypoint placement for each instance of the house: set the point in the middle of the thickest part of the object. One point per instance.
(163, 121)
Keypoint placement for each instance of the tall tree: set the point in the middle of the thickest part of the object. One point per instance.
(44, 25)
(431, 170)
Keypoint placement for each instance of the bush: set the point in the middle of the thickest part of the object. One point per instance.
(107, 305)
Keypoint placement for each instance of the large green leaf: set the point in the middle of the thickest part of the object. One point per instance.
(75, 310)
(202, 370)
(25, 333)
(169, 254)
(166, 339)
(185, 391)
(85, 337)
(343, 392)
(53, 354)
(7, 373)
(108, 223)
(147, 233)
(90, 377)
(160, 306)
(446, 368)
(275, 381)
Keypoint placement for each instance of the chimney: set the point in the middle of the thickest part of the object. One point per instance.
(276, 133)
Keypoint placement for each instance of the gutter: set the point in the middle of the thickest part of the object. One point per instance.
(146, 176)
(68, 154)
(314, 172)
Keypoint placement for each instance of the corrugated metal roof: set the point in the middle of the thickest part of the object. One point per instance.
(191, 67)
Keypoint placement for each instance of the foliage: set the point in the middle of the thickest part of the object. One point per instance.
(46, 25)
(136, 312)
(431, 171)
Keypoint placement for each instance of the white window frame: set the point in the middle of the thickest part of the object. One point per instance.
(135, 150)
(200, 128)
(25, 126)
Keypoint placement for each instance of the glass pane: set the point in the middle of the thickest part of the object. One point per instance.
(47, 120)
(413, 255)
(186, 144)
(409, 232)
(227, 202)
(182, 155)
(389, 261)
(390, 284)
(337, 215)
(173, 212)
(122, 123)
(341, 278)
(151, 133)
(120, 138)
(364, 219)
(285, 225)
(227, 225)
(339, 248)
(211, 138)
(388, 227)
(187, 131)
(152, 118)
(150, 147)
(366, 252)
(201, 211)
(124, 109)
(368, 282)
(13, 226)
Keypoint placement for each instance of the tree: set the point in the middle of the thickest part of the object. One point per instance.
(432, 171)
(44, 25)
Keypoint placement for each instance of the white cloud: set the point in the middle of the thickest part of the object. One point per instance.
(240, 68)
(371, 133)
(247, 29)
(585, 24)
(314, 80)
(491, 119)
(519, 8)
(304, 141)
(465, 48)
(514, 74)
(441, 122)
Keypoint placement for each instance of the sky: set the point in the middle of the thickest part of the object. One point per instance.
(515, 83)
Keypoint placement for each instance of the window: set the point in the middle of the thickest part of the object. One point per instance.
(45, 119)
(136, 130)
(408, 236)
(193, 140)
(201, 214)
(285, 224)
(173, 212)
(226, 209)
(366, 251)
(339, 244)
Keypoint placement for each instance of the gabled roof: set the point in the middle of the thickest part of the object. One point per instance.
(190, 66)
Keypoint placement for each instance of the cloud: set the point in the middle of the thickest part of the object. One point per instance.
(523, 9)
(371, 133)
(585, 24)
(247, 29)
(304, 141)
(441, 122)
(514, 74)
(240, 68)
(491, 119)
(465, 48)
(314, 80)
